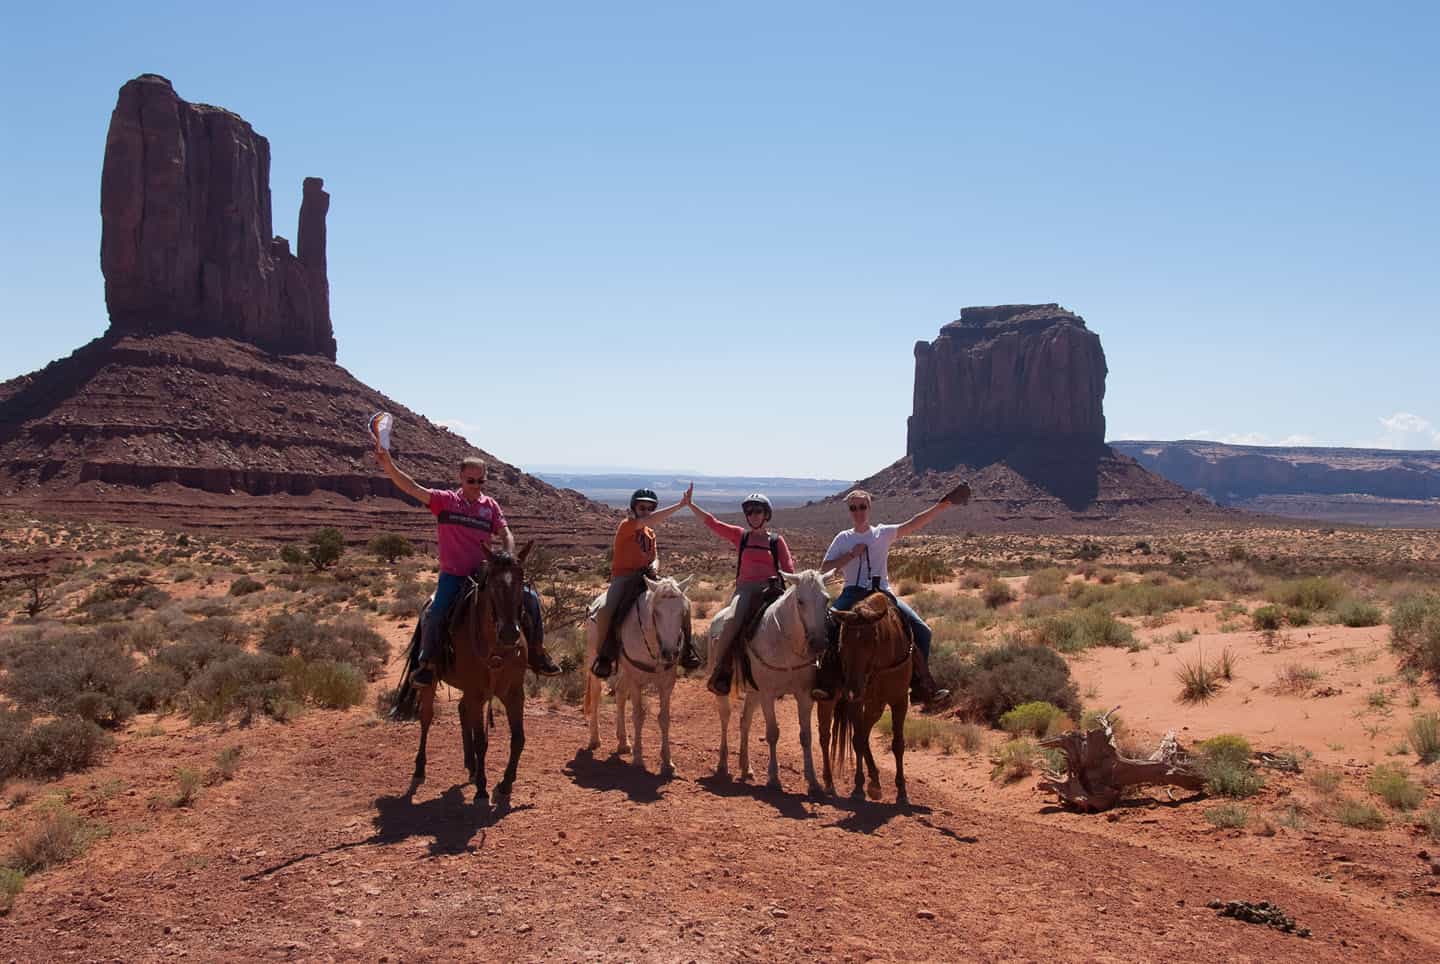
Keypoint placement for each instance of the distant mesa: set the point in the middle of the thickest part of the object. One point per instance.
(186, 239)
(213, 400)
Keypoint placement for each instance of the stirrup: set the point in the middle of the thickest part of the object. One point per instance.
(720, 686)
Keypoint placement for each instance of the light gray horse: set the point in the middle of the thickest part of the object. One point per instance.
(782, 655)
(650, 639)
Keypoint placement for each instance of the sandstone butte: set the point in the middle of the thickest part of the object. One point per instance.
(213, 400)
(1011, 397)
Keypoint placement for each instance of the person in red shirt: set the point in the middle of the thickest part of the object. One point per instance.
(635, 555)
(466, 521)
(762, 556)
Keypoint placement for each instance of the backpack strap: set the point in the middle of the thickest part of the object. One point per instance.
(775, 552)
(740, 556)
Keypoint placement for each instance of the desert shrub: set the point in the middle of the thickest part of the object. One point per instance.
(1071, 632)
(1230, 747)
(292, 555)
(103, 709)
(1225, 761)
(57, 836)
(1089, 551)
(286, 633)
(1014, 673)
(568, 650)
(1431, 823)
(12, 881)
(1152, 596)
(1199, 680)
(1355, 613)
(244, 586)
(997, 593)
(1046, 582)
(1325, 781)
(1267, 618)
(927, 732)
(920, 567)
(73, 673)
(950, 663)
(326, 546)
(1424, 736)
(1409, 614)
(224, 630)
(390, 547)
(938, 607)
(1296, 616)
(348, 639)
(146, 636)
(154, 687)
(187, 787)
(329, 684)
(1358, 813)
(1016, 760)
(63, 745)
(1297, 679)
(189, 657)
(1033, 718)
(1311, 593)
(227, 764)
(13, 727)
(248, 682)
(408, 605)
(1229, 815)
(1392, 784)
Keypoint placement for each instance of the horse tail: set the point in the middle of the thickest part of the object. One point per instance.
(405, 700)
(840, 733)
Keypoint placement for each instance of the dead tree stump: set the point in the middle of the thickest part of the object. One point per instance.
(1097, 776)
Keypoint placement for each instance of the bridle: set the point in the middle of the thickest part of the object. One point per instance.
(653, 651)
(750, 643)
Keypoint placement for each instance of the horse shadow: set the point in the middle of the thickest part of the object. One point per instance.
(448, 820)
(614, 773)
(787, 804)
(866, 816)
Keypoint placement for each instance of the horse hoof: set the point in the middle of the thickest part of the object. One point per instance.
(667, 771)
(773, 784)
(502, 791)
(746, 776)
(901, 800)
(623, 748)
(874, 792)
(815, 790)
(594, 745)
(482, 799)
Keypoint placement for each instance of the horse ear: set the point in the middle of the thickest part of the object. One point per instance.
(685, 582)
(790, 578)
(846, 616)
(651, 584)
(526, 551)
(829, 574)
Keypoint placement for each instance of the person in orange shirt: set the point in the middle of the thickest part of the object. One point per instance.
(635, 555)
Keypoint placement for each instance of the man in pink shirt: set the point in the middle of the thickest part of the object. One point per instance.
(466, 520)
(761, 557)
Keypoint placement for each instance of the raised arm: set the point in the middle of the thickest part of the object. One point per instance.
(660, 515)
(921, 519)
(402, 481)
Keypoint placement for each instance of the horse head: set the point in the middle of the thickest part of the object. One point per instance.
(668, 608)
(812, 603)
(503, 587)
(860, 637)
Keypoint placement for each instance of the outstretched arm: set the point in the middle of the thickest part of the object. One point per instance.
(921, 519)
(507, 539)
(402, 481)
(660, 515)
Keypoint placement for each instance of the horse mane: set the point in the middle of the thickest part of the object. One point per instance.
(667, 588)
(872, 608)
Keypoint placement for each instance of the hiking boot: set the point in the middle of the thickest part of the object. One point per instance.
(689, 658)
(541, 664)
(424, 676)
(603, 666)
(927, 696)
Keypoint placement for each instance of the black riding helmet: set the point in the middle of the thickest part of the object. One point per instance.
(644, 495)
(760, 499)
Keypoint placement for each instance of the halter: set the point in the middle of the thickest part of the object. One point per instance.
(501, 651)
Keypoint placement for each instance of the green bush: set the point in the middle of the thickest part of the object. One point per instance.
(1015, 673)
(1071, 632)
(326, 547)
(330, 685)
(1358, 813)
(1297, 616)
(248, 682)
(1229, 815)
(348, 639)
(293, 556)
(11, 883)
(153, 687)
(1425, 737)
(1267, 618)
(1229, 747)
(1033, 718)
(1354, 613)
(1225, 761)
(63, 745)
(391, 547)
(1392, 784)
(1046, 582)
(997, 593)
(58, 836)
(1410, 613)
(244, 586)
(1315, 592)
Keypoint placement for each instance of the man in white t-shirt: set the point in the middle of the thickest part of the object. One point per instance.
(863, 553)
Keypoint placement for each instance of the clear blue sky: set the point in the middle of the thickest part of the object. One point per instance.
(707, 236)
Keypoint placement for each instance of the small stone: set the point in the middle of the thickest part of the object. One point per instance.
(474, 933)
(925, 914)
(524, 929)
(779, 912)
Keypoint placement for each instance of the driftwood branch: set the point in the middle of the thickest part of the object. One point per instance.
(1096, 775)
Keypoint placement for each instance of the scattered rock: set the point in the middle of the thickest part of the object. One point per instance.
(924, 914)
(1259, 912)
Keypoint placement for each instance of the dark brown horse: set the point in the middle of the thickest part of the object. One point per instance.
(489, 661)
(875, 662)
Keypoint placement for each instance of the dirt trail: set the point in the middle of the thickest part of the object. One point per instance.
(314, 852)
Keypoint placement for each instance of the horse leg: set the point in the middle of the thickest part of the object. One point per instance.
(427, 716)
(824, 711)
(467, 738)
(482, 744)
(772, 737)
(897, 747)
(859, 744)
(515, 714)
(638, 755)
(802, 709)
(622, 694)
(667, 769)
(747, 713)
(592, 703)
(722, 707)
(872, 789)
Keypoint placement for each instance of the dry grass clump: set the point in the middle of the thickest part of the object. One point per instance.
(1431, 823)
(1018, 759)
(187, 787)
(1229, 815)
(1312, 593)
(1325, 782)
(57, 836)
(1076, 630)
(1392, 784)
(1360, 814)
(1424, 734)
(920, 567)
(12, 881)
(997, 593)
(568, 650)
(1199, 680)
(1357, 613)
(1296, 679)
(1046, 582)
(1035, 718)
(927, 732)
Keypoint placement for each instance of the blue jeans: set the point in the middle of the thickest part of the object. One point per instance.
(851, 595)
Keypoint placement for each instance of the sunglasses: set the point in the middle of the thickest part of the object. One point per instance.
(858, 508)
(644, 509)
(470, 481)
(754, 511)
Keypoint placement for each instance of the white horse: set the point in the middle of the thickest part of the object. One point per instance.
(782, 653)
(650, 639)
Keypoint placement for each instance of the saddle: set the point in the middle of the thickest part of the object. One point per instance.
(773, 591)
(905, 626)
(445, 658)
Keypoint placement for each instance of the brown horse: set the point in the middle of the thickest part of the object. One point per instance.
(875, 662)
(489, 661)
